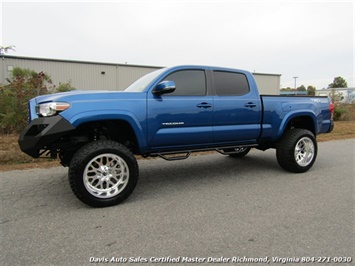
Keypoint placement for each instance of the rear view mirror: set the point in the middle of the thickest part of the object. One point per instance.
(163, 87)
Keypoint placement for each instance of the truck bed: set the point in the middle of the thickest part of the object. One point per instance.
(278, 111)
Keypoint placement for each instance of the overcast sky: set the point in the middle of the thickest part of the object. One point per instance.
(312, 40)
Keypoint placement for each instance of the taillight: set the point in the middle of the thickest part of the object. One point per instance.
(331, 109)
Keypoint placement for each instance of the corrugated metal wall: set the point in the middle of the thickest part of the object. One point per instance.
(103, 76)
(82, 75)
(128, 74)
(268, 83)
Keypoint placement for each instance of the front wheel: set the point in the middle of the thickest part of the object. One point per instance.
(103, 173)
(297, 150)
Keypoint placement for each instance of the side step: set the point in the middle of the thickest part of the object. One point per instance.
(182, 155)
(234, 150)
(175, 156)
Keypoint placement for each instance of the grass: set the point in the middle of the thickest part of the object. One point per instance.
(342, 130)
(12, 158)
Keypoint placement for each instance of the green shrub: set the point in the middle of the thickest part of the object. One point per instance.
(339, 112)
(344, 112)
(63, 87)
(23, 85)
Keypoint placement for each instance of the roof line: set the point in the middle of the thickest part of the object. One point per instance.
(74, 61)
(101, 63)
(266, 74)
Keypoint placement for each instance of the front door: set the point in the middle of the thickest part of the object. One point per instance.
(182, 118)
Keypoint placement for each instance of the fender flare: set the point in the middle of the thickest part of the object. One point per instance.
(101, 115)
(291, 115)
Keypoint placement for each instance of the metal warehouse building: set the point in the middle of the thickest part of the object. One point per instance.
(103, 76)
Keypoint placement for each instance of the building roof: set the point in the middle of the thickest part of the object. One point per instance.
(74, 61)
(100, 63)
(266, 74)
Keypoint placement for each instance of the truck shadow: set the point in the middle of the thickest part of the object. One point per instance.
(206, 166)
(157, 176)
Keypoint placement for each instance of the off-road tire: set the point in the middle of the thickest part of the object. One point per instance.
(297, 150)
(103, 173)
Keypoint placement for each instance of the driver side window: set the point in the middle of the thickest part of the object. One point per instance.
(188, 83)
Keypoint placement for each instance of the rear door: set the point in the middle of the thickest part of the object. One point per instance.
(182, 118)
(237, 109)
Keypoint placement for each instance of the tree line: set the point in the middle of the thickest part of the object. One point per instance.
(338, 82)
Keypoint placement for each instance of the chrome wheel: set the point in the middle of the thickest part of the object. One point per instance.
(103, 173)
(304, 151)
(106, 175)
(297, 150)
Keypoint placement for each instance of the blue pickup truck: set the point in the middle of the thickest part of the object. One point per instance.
(169, 113)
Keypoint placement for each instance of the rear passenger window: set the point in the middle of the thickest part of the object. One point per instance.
(230, 83)
(188, 82)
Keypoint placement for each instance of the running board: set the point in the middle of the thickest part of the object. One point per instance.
(184, 154)
(175, 156)
(234, 150)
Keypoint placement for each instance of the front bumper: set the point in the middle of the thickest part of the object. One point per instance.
(41, 133)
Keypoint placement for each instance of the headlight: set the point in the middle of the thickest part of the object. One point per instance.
(50, 109)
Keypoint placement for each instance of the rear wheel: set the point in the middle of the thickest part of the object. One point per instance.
(103, 173)
(297, 150)
(237, 152)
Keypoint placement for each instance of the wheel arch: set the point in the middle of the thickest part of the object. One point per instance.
(118, 123)
(117, 130)
(304, 120)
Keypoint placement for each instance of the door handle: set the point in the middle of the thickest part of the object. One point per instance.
(204, 105)
(250, 105)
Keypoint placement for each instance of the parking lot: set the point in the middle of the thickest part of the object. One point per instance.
(209, 207)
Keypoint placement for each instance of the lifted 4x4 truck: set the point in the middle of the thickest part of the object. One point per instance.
(169, 113)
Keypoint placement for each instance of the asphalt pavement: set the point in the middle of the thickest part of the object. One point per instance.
(207, 210)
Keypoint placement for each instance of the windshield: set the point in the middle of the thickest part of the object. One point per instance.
(140, 84)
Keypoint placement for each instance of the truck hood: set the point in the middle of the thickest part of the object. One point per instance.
(88, 105)
(77, 95)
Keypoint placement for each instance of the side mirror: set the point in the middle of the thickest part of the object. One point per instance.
(163, 87)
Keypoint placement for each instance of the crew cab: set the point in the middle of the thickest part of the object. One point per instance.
(169, 113)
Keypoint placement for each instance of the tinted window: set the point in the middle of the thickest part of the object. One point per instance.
(188, 82)
(229, 83)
